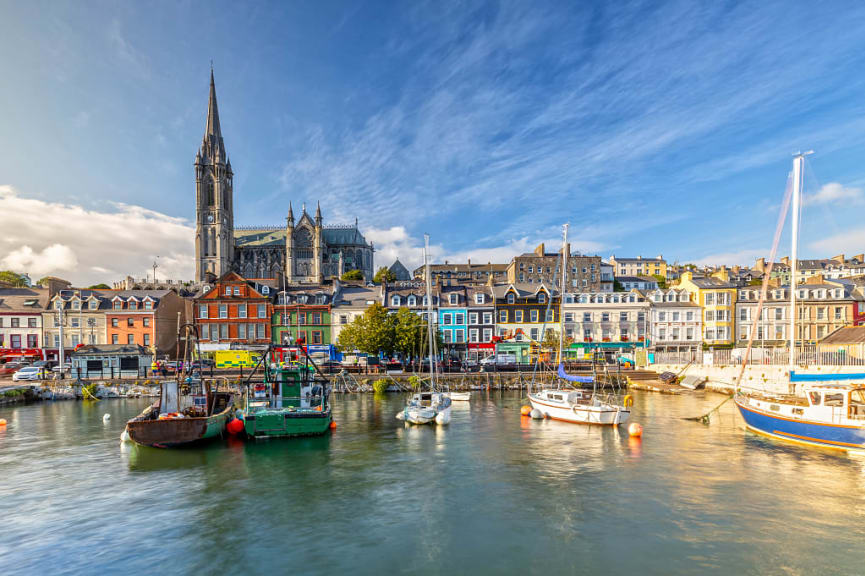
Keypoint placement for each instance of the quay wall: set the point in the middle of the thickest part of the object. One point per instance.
(774, 379)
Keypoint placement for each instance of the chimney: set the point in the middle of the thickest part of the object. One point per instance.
(760, 264)
(839, 258)
(785, 260)
(859, 258)
(470, 262)
(640, 257)
(539, 251)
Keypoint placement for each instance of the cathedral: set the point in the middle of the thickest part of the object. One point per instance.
(303, 252)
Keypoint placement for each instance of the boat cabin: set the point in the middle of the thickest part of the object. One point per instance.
(835, 403)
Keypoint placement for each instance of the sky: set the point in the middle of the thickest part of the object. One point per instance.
(650, 127)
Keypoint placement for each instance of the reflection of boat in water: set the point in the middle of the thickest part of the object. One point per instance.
(832, 413)
(433, 406)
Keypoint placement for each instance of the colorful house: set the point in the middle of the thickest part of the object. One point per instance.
(234, 310)
(522, 313)
(716, 295)
(303, 313)
(452, 319)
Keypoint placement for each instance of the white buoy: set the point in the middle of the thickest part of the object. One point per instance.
(106, 418)
(443, 417)
(125, 436)
(537, 414)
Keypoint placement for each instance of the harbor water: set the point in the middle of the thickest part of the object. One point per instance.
(491, 493)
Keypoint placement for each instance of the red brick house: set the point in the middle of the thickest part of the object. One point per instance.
(234, 310)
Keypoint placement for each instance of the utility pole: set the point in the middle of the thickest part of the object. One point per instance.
(60, 322)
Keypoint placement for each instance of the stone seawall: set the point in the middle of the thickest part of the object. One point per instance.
(774, 379)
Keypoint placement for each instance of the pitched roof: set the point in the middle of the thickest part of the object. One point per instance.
(846, 335)
(23, 299)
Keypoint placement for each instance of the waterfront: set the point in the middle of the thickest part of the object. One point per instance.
(491, 493)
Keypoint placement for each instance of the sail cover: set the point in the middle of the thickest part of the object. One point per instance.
(565, 376)
(824, 377)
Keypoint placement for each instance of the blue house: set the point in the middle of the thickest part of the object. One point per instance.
(453, 320)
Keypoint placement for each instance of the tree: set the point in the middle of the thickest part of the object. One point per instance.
(617, 286)
(409, 332)
(99, 287)
(352, 275)
(551, 339)
(372, 332)
(383, 275)
(12, 278)
(662, 282)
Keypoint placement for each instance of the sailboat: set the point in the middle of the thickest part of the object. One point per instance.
(433, 406)
(831, 411)
(577, 405)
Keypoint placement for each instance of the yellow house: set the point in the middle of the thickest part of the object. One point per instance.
(639, 266)
(716, 295)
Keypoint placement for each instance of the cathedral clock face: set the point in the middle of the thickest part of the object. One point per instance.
(210, 218)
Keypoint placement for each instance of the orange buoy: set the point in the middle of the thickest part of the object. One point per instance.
(234, 426)
(2, 421)
(526, 410)
(635, 430)
(333, 424)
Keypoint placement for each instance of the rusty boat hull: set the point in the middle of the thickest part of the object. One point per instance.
(147, 430)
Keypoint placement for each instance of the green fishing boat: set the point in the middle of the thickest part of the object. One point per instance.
(290, 401)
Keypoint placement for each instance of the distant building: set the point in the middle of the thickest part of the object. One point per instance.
(349, 302)
(21, 318)
(676, 320)
(234, 310)
(717, 297)
(639, 266)
(146, 318)
(644, 283)
(463, 274)
(303, 312)
(584, 272)
(604, 320)
(400, 272)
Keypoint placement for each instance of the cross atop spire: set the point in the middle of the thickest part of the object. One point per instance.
(212, 145)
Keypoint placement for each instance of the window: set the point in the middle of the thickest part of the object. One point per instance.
(710, 299)
(262, 310)
(531, 269)
(301, 318)
(488, 334)
(146, 322)
(820, 312)
(542, 298)
(316, 336)
(76, 304)
(837, 313)
(623, 316)
(115, 339)
(202, 311)
(228, 290)
(147, 339)
(550, 315)
(460, 319)
(241, 331)
(16, 322)
(343, 319)
(448, 336)
(587, 316)
(473, 317)
(662, 316)
(412, 301)
(453, 298)
(533, 315)
(689, 316)
(130, 322)
(148, 305)
(641, 316)
(710, 315)
(488, 317)
(223, 331)
(93, 305)
(662, 334)
(223, 310)
(460, 336)
(605, 316)
(132, 305)
(479, 298)
(394, 300)
(15, 340)
(316, 317)
(676, 316)
(518, 316)
(534, 333)
(503, 316)
(76, 340)
(446, 319)
(569, 316)
(689, 334)
(75, 322)
(33, 341)
(130, 338)
(241, 311)
(510, 297)
(31, 322)
(237, 290)
(473, 334)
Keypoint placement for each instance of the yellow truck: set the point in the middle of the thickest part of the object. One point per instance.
(235, 359)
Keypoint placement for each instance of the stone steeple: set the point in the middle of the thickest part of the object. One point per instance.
(214, 198)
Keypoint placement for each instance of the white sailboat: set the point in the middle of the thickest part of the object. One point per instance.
(433, 406)
(574, 405)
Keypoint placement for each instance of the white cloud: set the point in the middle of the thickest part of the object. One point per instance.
(849, 242)
(833, 193)
(87, 246)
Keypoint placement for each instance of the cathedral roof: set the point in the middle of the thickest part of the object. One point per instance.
(275, 236)
(342, 236)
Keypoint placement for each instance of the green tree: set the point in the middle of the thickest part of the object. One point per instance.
(409, 332)
(352, 275)
(662, 282)
(384, 275)
(347, 339)
(12, 278)
(617, 286)
(99, 287)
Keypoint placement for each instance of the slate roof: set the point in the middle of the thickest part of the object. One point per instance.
(23, 299)
(275, 236)
(846, 335)
(106, 349)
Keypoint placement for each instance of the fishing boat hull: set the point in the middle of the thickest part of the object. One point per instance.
(283, 423)
(762, 420)
(604, 415)
(148, 430)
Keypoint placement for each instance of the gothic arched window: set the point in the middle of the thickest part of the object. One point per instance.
(303, 244)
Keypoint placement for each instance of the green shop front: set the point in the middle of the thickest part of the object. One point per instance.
(519, 349)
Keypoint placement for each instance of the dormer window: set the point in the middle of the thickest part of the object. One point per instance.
(237, 291)
(76, 304)
(394, 300)
(511, 298)
(542, 298)
(453, 298)
(133, 305)
(412, 301)
(58, 304)
(425, 301)
(118, 305)
(265, 290)
(93, 305)
(148, 304)
(479, 298)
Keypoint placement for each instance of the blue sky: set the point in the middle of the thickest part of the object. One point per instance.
(652, 127)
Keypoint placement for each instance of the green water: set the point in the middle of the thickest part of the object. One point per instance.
(491, 493)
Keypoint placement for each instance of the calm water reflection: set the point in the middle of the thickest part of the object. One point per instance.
(491, 493)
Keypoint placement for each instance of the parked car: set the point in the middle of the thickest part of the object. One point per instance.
(11, 367)
(28, 373)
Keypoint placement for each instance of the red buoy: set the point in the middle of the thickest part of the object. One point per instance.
(234, 426)
(333, 424)
(526, 410)
(635, 430)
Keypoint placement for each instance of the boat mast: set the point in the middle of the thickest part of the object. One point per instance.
(429, 297)
(798, 171)
(565, 255)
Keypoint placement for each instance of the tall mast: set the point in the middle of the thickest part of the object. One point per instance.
(565, 254)
(429, 308)
(798, 171)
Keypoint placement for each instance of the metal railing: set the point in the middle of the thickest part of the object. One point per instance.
(808, 355)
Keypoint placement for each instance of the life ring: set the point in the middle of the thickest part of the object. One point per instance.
(628, 402)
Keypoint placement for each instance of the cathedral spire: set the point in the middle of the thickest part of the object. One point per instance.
(290, 214)
(213, 145)
(318, 214)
